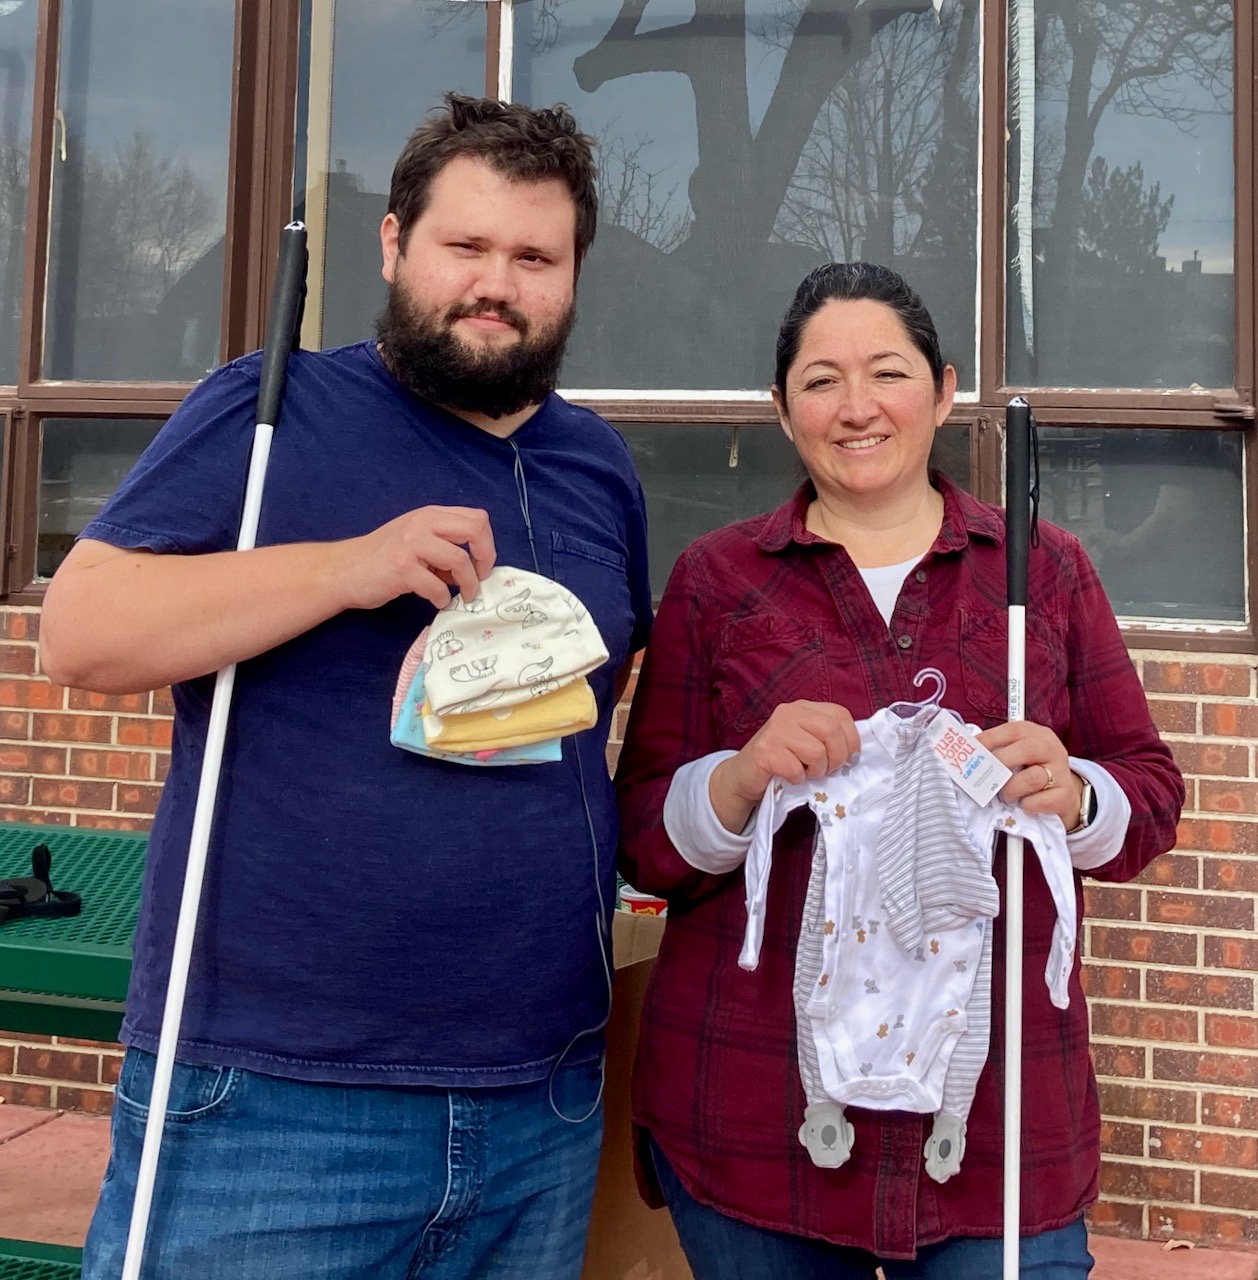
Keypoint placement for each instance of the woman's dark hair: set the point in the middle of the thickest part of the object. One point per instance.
(524, 144)
(853, 282)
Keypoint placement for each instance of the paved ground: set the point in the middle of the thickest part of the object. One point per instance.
(51, 1164)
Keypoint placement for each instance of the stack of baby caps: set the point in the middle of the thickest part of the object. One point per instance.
(500, 679)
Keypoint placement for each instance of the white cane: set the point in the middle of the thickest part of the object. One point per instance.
(281, 338)
(1017, 550)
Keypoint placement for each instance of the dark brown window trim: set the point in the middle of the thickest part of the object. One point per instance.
(38, 195)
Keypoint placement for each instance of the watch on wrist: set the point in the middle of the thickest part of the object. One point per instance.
(1087, 808)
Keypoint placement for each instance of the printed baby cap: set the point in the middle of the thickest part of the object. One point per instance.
(408, 723)
(522, 637)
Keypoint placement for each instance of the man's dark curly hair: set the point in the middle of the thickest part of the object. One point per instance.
(524, 144)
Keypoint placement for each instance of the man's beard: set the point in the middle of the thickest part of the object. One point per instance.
(423, 352)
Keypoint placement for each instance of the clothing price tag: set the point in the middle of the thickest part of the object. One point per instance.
(971, 766)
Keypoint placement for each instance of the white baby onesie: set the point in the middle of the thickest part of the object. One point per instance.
(893, 972)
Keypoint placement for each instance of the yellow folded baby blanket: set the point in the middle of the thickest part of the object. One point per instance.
(552, 715)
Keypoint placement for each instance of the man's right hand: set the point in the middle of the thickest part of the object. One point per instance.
(799, 740)
(426, 552)
(122, 621)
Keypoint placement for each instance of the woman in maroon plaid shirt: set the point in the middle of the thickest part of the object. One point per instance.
(774, 637)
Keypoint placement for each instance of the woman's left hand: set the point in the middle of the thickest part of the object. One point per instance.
(1042, 780)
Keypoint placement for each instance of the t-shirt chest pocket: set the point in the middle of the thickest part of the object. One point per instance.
(762, 662)
(599, 577)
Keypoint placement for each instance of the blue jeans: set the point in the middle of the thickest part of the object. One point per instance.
(269, 1179)
(719, 1247)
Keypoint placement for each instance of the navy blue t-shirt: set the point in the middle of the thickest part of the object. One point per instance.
(370, 915)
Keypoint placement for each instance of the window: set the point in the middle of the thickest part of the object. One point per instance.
(1070, 184)
(138, 153)
(139, 171)
(741, 145)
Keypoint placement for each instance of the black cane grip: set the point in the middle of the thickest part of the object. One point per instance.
(282, 321)
(1017, 497)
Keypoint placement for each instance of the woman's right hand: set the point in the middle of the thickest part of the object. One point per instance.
(799, 740)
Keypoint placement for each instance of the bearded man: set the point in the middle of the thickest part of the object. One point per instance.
(390, 1061)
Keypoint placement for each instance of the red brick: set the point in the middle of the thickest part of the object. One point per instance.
(19, 626)
(163, 703)
(1230, 1031)
(1143, 946)
(50, 760)
(1228, 1190)
(1122, 1139)
(1113, 1218)
(1215, 911)
(1209, 759)
(620, 721)
(52, 727)
(1121, 1061)
(1177, 870)
(138, 799)
(1196, 1146)
(1226, 720)
(1217, 835)
(1230, 1111)
(65, 793)
(1174, 717)
(144, 733)
(1146, 1181)
(1210, 991)
(1136, 1023)
(1144, 1102)
(85, 700)
(1110, 981)
(110, 1065)
(1231, 953)
(58, 1064)
(32, 759)
(15, 725)
(612, 755)
(1234, 875)
(40, 817)
(122, 766)
(15, 789)
(1111, 902)
(162, 765)
(1206, 1068)
(94, 1101)
(98, 1045)
(8, 1056)
(1210, 1229)
(24, 1094)
(39, 695)
(1215, 796)
(112, 822)
(17, 659)
(1221, 680)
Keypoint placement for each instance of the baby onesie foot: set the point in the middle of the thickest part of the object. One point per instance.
(826, 1134)
(945, 1147)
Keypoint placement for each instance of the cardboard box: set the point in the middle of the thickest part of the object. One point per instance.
(628, 1241)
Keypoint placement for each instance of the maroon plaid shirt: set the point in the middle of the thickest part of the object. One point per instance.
(761, 613)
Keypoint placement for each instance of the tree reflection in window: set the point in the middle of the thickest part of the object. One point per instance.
(778, 135)
(1124, 276)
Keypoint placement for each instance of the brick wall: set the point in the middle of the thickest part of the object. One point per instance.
(1171, 979)
(1172, 957)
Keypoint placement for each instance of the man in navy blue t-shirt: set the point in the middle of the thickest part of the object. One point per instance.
(390, 1059)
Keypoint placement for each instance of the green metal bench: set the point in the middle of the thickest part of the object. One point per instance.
(68, 976)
